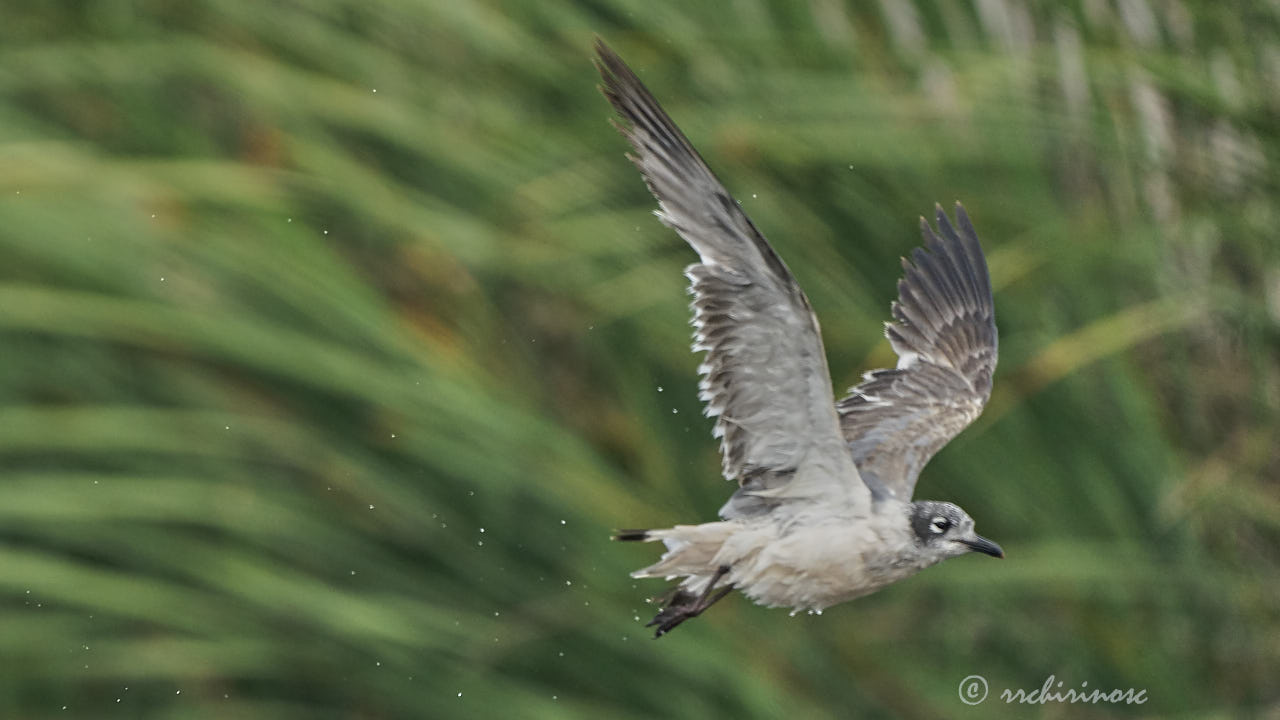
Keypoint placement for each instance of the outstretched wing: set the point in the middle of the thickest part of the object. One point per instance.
(944, 333)
(765, 373)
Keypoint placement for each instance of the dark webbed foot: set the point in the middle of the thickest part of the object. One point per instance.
(675, 612)
(681, 606)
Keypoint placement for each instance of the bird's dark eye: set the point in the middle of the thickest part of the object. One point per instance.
(940, 524)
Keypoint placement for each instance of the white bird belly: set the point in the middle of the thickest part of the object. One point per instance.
(815, 566)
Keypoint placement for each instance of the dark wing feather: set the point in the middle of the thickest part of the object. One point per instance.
(765, 374)
(944, 333)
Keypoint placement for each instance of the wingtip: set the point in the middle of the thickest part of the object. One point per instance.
(940, 214)
(600, 46)
(608, 63)
(927, 234)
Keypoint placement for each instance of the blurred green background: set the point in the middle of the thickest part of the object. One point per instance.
(335, 336)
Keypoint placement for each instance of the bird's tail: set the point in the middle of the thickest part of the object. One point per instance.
(692, 550)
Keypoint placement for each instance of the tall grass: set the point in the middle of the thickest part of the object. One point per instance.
(335, 336)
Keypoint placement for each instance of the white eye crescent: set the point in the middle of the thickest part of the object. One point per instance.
(939, 524)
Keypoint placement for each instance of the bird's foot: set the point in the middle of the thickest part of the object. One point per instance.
(681, 606)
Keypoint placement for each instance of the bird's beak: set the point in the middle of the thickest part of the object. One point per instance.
(977, 543)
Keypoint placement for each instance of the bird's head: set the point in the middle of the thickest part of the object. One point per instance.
(943, 530)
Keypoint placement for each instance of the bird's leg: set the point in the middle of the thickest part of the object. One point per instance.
(706, 600)
(680, 609)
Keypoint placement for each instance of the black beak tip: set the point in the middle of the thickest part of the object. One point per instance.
(984, 546)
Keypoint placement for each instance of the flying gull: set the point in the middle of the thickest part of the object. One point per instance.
(823, 510)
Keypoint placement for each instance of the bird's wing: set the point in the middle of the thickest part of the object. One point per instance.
(944, 332)
(765, 373)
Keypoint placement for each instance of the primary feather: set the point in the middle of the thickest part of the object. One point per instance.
(764, 376)
(944, 333)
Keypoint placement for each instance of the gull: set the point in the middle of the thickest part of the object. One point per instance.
(823, 510)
